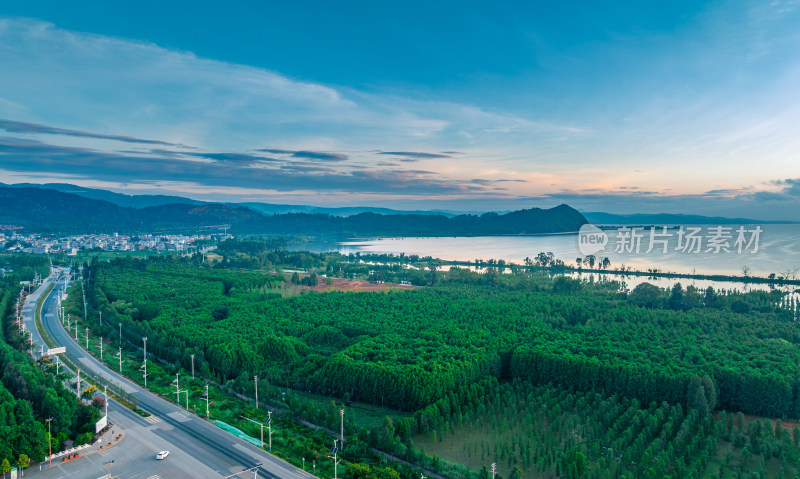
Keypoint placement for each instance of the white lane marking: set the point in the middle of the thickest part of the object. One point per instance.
(152, 419)
(179, 416)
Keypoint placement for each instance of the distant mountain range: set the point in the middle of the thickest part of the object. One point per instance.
(670, 219)
(69, 208)
(50, 210)
(276, 209)
(119, 199)
(143, 201)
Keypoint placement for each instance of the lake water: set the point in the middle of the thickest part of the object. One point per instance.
(776, 249)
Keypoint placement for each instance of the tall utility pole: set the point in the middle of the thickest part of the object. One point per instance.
(144, 367)
(101, 349)
(145, 361)
(334, 451)
(178, 392)
(255, 380)
(87, 339)
(494, 469)
(120, 334)
(57, 365)
(105, 393)
(269, 426)
(76, 330)
(192, 366)
(206, 402)
(83, 291)
(79, 383)
(342, 430)
(120, 360)
(49, 441)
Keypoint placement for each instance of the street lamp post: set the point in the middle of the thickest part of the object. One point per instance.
(269, 422)
(144, 375)
(109, 463)
(49, 441)
(145, 361)
(206, 402)
(334, 451)
(178, 392)
(254, 469)
(261, 425)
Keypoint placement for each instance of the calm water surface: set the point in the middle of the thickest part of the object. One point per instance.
(778, 251)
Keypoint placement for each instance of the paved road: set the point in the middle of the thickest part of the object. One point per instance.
(198, 449)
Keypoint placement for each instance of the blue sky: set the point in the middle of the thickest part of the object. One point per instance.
(626, 107)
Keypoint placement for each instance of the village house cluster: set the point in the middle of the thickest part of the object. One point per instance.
(71, 245)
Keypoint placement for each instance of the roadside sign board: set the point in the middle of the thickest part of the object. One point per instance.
(102, 423)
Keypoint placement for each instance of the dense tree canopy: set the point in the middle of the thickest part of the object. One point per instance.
(408, 349)
(28, 395)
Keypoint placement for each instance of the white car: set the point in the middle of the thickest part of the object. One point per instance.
(162, 455)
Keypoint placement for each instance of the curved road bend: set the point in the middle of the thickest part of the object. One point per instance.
(219, 451)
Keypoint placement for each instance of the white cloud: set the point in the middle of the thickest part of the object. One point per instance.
(104, 84)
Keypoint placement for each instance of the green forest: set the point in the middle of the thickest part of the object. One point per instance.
(28, 394)
(440, 352)
(543, 431)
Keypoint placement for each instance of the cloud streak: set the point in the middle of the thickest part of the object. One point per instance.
(33, 157)
(414, 154)
(34, 128)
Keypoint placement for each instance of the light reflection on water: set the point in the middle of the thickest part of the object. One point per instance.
(779, 253)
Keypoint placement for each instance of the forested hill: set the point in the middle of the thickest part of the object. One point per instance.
(532, 221)
(46, 210)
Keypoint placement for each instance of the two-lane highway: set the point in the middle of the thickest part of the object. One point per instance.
(220, 453)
